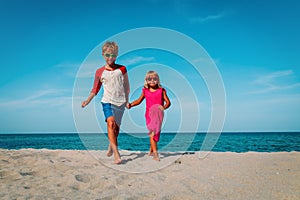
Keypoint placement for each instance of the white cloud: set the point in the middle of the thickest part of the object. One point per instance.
(88, 68)
(67, 65)
(137, 60)
(270, 83)
(272, 88)
(49, 98)
(69, 69)
(266, 79)
(206, 18)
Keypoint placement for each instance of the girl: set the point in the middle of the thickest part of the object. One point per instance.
(156, 102)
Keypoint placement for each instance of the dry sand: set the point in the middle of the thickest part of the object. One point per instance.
(61, 174)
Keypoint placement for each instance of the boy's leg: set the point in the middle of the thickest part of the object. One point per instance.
(117, 130)
(112, 136)
(113, 116)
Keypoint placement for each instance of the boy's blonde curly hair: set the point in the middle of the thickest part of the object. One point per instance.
(110, 46)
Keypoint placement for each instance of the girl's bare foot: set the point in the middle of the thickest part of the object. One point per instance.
(156, 156)
(150, 152)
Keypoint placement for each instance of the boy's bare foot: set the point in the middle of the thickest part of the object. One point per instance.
(118, 161)
(109, 151)
(117, 158)
(156, 156)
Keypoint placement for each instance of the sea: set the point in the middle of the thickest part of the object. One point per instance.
(169, 142)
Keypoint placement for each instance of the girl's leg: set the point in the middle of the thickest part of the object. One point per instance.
(154, 148)
(151, 134)
(151, 149)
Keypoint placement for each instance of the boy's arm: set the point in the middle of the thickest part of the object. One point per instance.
(96, 87)
(97, 82)
(167, 102)
(88, 100)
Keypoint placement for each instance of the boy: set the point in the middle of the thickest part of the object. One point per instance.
(115, 83)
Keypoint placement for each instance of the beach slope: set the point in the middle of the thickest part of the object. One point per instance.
(72, 174)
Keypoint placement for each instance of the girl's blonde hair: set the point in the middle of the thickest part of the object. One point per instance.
(110, 46)
(149, 74)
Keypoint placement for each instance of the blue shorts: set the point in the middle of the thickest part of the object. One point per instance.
(113, 110)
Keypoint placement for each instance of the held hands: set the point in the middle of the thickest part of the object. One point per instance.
(128, 105)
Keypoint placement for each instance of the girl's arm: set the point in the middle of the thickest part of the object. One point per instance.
(167, 102)
(136, 102)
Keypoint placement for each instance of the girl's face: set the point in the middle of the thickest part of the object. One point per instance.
(152, 80)
(110, 57)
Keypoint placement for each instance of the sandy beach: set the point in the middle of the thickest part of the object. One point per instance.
(70, 174)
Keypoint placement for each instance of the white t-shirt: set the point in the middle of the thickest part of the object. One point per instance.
(115, 84)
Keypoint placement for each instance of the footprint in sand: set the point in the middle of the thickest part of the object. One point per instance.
(82, 178)
(63, 159)
(26, 172)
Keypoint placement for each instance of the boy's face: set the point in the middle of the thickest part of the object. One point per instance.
(110, 57)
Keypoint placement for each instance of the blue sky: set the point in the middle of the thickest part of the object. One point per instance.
(46, 47)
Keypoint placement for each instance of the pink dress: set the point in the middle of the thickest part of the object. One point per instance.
(154, 113)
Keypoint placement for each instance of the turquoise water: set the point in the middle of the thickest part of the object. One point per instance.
(231, 142)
